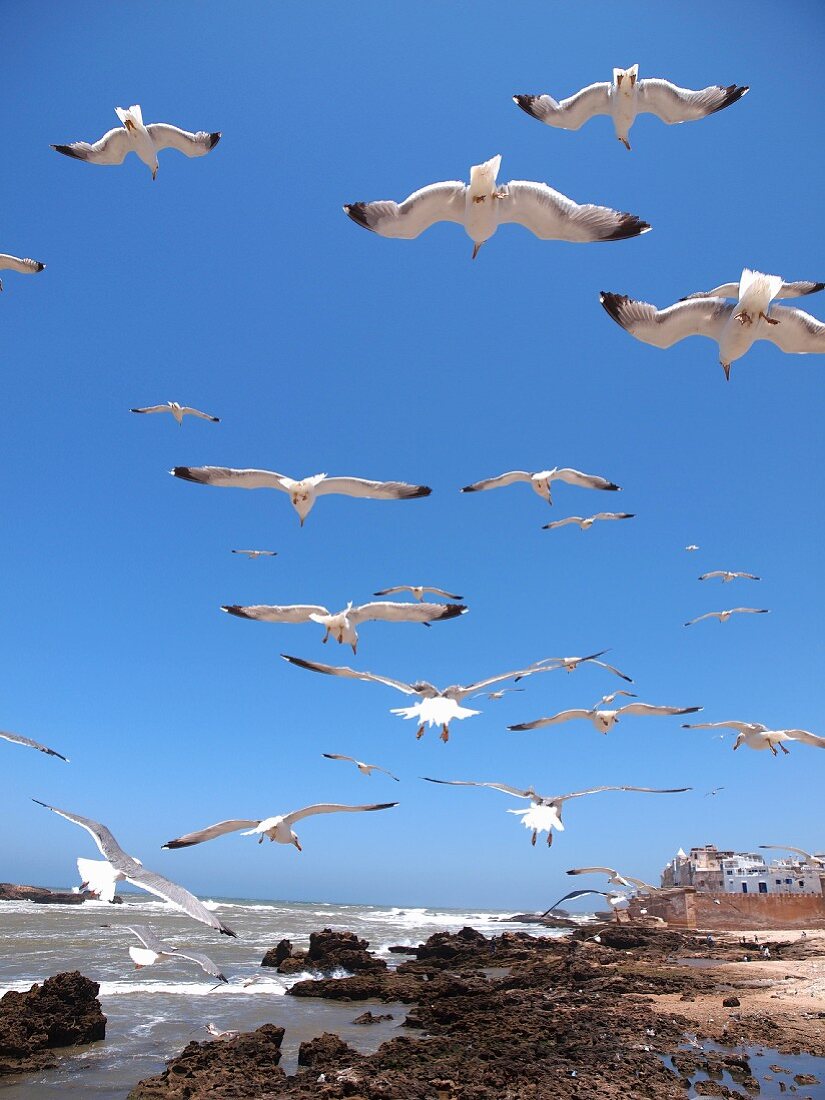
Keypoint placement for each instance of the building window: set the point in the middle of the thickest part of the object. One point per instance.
(744, 887)
(779, 882)
(802, 884)
(763, 887)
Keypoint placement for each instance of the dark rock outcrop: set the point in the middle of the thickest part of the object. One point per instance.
(324, 1052)
(10, 891)
(64, 1011)
(276, 955)
(371, 1017)
(328, 951)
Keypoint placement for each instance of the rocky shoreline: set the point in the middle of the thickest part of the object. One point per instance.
(62, 1012)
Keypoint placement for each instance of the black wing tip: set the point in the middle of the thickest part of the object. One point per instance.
(68, 151)
(815, 288)
(418, 491)
(221, 977)
(629, 226)
(172, 844)
(38, 266)
(468, 489)
(383, 806)
(357, 211)
(39, 803)
(614, 304)
(186, 473)
(214, 138)
(527, 104)
(733, 92)
(234, 609)
(452, 611)
(225, 930)
(301, 663)
(59, 755)
(612, 488)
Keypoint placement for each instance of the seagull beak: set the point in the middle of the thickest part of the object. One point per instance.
(297, 844)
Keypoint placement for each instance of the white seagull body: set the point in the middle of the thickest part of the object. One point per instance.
(304, 492)
(626, 97)
(723, 616)
(252, 554)
(586, 523)
(98, 877)
(418, 590)
(728, 576)
(614, 877)
(734, 327)
(342, 624)
(570, 664)
(364, 769)
(27, 742)
(813, 861)
(155, 951)
(278, 828)
(178, 411)
(605, 720)
(544, 813)
(540, 482)
(483, 205)
(756, 736)
(17, 263)
(146, 141)
(133, 871)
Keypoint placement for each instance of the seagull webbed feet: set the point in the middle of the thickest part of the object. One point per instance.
(445, 734)
(770, 320)
(533, 838)
(419, 733)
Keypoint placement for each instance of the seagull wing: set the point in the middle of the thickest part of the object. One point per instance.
(529, 793)
(750, 611)
(797, 290)
(554, 720)
(552, 216)
(647, 709)
(584, 481)
(570, 113)
(405, 612)
(147, 937)
(664, 327)
(742, 727)
(614, 515)
(788, 848)
(110, 149)
(296, 613)
(714, 573)
(498, 482)
(16, 263)
(598, 790)
(611, 872)
(19, 739)
(350, 673)
(211, 831)
(562, 522)
(572, 896)
(610, 668)
(152, 409)
(797, 333)
(165, 136)
(333, 808)
(707, 615)
(203, 961)
(441, 592)
(258, 553)
(232, 479)
(189, 411)
(372, 490)
(806, 738)
(459, 692)
(748, 576)
(439, 202)
(673, 104)
(726, 290)
(339, 756)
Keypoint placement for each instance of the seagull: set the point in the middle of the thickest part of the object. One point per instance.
(277, 828)
(484, 205)
(418, 591)
(252, 554)
(614, 899)
(814, 861)
(154, 951)
(500, 693)
(19, 739)
(364, 769)
(178, 411)
(436, 707)
(715, 791)
(544, 813)
(733, 327)
(614, 877)
(570, 664)
(759, 737)
(723, 616)
(605, 720)
(605, 699)
(342, 624)
(727, 576)
(216, 1032)
(691, 547)
(540, 482)
(302, 493)
(626, 97)
(586, 524)
(135, 873)
(99, 878)
(16, 263)
(731, 290)
(146, 141)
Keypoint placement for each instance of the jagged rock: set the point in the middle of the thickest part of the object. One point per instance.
(9, 891)
(806, 1079)
(329, 950)
(64, 1011)
(276, 955)
(371, 1018)
(324, 1052)
(731, 1002)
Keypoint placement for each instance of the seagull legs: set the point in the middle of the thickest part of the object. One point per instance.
(770, 320)
(533, 838)
(419, 733)
(445, 734)
(786, 751)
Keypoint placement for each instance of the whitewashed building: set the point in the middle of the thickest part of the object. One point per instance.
(711, 871)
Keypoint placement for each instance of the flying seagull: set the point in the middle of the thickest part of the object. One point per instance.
(733, 327)
(723, 616)
(500, 693)
(731, 290)
(614, 877)
(364, 769)
(614, 899)
(342, 624)
(251, 554)
(544, 813)
(99, 878)
(418, 591)
(814, 861)
(16, 263)
(436, 707)
(154, 951)
(586, 524)
(570, 664)
(178, 411)
(19, 739)
(134, 872)
(146, 141)
(714, 791)
(727, 576)
(484, 205)
(625, 98)
(691, 547)
(277, 828)
(605, 720)
(540, 482)
(756, 736)
(302, 493)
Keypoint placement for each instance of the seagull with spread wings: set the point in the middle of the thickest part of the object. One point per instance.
(178, 411)
(613, 898)
(756, 736)
(133, 137)
(418, 590)
(154, 951)
(625, 98)
(23, 265)
(812, 860)
(544, 813)
(277, 828)
(614, 877)
(484, 205)
(540, 482)
(342, 625)
(723, 616)
(570, 664)
(364, 769)
(436, 706)
(586, 523)
(19, 739)
(728, 576)
(304, 492)
(134, 872)
(253, 554)
(603, 719)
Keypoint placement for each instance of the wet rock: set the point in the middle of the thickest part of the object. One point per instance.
(9, 891)
(329, 950)
(731, 1002)
(369, 1017)
(806, 1079)
(325, 1052)
(64, 1011)
(276, 955)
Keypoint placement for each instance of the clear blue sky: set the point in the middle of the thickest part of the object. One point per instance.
(236, 284)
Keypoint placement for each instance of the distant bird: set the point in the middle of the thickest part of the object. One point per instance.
(614, 877)
(586, 524)
(484, 205)
(544, 813)
(692, 547)
(814, 861)
(364, 769)
(625, 98)
(605, 720)
(417, 591)
(756, 736)
(723, 616)
(16, 263)
(570, 664)
(733, 327)
(727, 576)
(178, 411)
(613, 898)
(540, 482)
(277, 828)
(500, 693)
(99, 878)
(436, 707)
(715, 791)
(134, 872)
(146, 141)
(341, 625)
(19, 739)
(303, 493)
(154, 951)
(605, 699)
(252, 554)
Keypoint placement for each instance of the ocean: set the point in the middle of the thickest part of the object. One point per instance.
(154, 1012)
